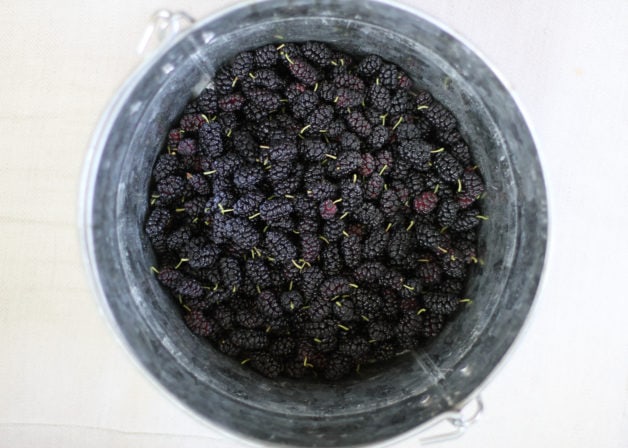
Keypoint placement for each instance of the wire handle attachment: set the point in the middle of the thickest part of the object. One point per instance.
(460, 419)
(163, 26)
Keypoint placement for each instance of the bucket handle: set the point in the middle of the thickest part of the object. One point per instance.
(163, 25)
(459, 418)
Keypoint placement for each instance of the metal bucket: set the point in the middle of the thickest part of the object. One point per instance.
(385, 402)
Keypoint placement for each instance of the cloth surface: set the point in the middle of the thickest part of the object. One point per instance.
(66, 381)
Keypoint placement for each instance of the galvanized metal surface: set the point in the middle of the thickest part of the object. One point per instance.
(385, 403)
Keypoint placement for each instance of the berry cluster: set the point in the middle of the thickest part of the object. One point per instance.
(313, 212)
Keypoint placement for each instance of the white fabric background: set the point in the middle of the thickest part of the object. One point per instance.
(65, 381)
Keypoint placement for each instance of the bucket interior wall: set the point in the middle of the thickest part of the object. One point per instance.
(384, 401)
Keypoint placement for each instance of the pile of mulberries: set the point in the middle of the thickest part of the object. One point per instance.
(313, 211)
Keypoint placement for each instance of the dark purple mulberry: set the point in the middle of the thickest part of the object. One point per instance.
(268, 79)
(338, 366)
(425, 203)
(349, 81)
(343, 310)
(440, 117)
(346, 163)
(357, 123)
(191, 122)
(210, 139)
(248, 204)
(472, 187)
(283, 347)
(346, 97)
(447, 212)
(231, 102)
(269, 305)
(188, 287)
(440, 303)
(303, 71)
(263, 99)
(166, 165)
(335, 286)
(230, 273)
(328, 209)
(207, 102)
(280, 246)
(201, 257)
(378, 137)
(408, 131)
(370, 215)
(408, 326)
(317, 52)
(319, 119)
(158, 222)
(356, 348)
(332, 261)
(275, 209)
(332, 230)
(291, 301)
(375, 244)
(242, 64)
(367, 305)
(322, 190)
(388, 76)
(351, 251)
(310, 247)
(266, 364)
(415, 152)
(380, 331)
(466, 220)
(447, 167)
(313, 150)
(258, 272)
(171, 188)
(249, 339)
(200, 324)
(369, 66)
(199, 183)
(266, 56)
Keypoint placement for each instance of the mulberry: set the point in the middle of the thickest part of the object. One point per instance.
(358, 123)
(369, 66)
(375, 244)
(231, 102)
(246, 339)
(440, 303)
(265, 56)
(207, 102)
(317, 52)
(448, 168)
(415, 152)
(158, 222)
(210, 139)
(268, 305)
(328, 209)
(291, 301)
(378, 137)
(242, 64)
(171, 188)
(303, 71)
(166, 165)
(280, 246)
(275, 209)
(337, 367)
(200, 324)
